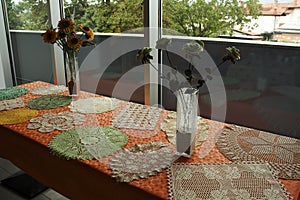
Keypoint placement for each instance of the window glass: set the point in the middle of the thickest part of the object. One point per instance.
(107, 16)
(27, 14)
(267, 33)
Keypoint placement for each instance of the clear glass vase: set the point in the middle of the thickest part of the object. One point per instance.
(72, 73)
(186, 120)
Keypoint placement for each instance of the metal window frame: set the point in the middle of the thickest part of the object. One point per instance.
(7, 72)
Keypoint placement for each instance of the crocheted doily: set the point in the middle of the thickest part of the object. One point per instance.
(136, 116)
(224, 181)
(48, 90)
(11, 104)
(244, 144)
(88, 142)
(141, 161)
(169, 126)
(12, 92)
(17, 116)
(61, 121)
(94, 105)
(49, 102)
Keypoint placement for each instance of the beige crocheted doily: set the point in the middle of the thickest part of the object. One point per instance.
(169, 126)
(224, 181)
(245, 144)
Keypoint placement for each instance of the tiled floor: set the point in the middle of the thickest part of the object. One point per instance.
(7, 169)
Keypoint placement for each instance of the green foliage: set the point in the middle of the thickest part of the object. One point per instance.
(189, 17)
(28, 15)
(208, 18)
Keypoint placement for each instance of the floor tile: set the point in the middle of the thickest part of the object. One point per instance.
(3, 174)
(6, 194)
(51, 194)
(8, 166)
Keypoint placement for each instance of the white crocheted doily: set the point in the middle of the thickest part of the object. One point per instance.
(11, 104)
(51, 121)
(94, 105)
(48, 90)
(136, 116)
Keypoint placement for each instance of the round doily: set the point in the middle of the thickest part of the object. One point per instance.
(48, 90)
(17, 116)
(88, 142)
(11, 104)
(13, 92)
(61, 121)
(169, 127)
(94, 105)
(244, 144)
(141, 161)
(49, 102)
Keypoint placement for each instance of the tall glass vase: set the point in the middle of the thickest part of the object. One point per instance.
(72, 73)
(186, 120)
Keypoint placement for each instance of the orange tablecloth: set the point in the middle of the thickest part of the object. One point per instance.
(90, 179)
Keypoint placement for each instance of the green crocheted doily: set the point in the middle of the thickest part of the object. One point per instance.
(88, 142)
(49, 102)
(12, 92)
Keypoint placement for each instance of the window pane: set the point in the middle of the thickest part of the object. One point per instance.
(112, 57)
(32, 57)
(107, 15)
(27, 14)
(261, 87)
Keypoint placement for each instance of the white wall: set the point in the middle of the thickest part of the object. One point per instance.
(2, 80)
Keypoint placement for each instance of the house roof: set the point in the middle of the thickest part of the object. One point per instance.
(279, 9)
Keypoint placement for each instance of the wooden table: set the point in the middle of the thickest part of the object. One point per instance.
(91, 179)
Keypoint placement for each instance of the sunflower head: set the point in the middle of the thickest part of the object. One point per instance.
(50, 36)
(89, 34)
(66, 25)
(74, 42)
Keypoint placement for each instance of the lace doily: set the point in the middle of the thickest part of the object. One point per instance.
(88, 142)
(49, 102)
(94, 105)
(48, 90)
(11, 93)
(244, 144)
(141, 161)
(17, 116)
(61, 121)
(169, 127)
(136, 116)
(11, 104)
(224, 181)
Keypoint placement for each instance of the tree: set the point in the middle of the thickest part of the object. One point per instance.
(119, 16)
(13, 15)
(208, 18)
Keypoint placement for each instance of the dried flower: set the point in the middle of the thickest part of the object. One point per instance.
(66, 25)
(50, 36)
(144, 56)
(74, 42)
(191, 49)
(65, 36)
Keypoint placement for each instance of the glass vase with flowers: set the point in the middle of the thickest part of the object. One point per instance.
(66, 37)
(186, 89)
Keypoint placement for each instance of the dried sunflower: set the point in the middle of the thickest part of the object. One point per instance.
(50, 36)
(74, 42)
(89, 34)
(66, 25)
